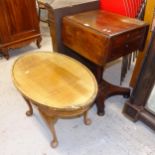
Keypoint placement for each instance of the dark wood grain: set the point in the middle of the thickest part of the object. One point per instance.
(20, 24)
(103, 36)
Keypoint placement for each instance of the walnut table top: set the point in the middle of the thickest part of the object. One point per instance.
(54, 80)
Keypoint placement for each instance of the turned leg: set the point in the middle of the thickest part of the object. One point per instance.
(100, 101)
(51, 122)
(87, 121)
(30, 111)
(38, 42)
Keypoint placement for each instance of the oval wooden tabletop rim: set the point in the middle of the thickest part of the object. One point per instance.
(89, 101)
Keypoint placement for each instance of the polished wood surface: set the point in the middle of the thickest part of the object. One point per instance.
(43, 77)
(57, 84)
(108, 23)
(19, 24)
(100, 37)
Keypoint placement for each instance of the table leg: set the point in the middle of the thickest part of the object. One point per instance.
(51, 122)
(100, 99)
(5, 52)
(30, 111)
(87, 120)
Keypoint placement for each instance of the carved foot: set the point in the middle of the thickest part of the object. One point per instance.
(38, 42)
(54, 143)
(101, 113)
(87, 121)
(30, 111)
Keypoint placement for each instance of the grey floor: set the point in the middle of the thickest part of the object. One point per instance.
(112, 134)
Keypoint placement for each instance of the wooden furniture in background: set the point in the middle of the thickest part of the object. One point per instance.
(101, 37)
(19, 24)
(135, 107)
(129, 8)
(149, 13)
(42, 6)
(60, 8)
(65, 87)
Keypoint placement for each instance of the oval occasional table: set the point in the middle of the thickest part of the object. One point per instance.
(58, 85)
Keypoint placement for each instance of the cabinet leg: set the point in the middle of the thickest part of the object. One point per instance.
(5, 53)
(38, 42)
(30, 111)
(51, 122)
(87, 121)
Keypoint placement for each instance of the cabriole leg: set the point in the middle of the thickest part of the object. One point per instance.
(30, 111)
(51, 122)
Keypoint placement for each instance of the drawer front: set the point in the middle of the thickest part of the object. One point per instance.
(125, 43)
(85, 41)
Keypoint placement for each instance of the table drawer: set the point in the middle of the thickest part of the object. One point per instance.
(122, 39)
(125, 43)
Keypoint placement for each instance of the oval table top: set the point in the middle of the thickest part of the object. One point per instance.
(54, 80)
